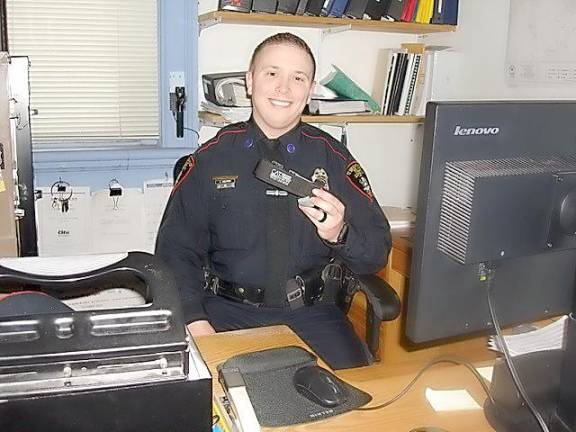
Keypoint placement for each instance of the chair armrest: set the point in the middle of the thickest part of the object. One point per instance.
(383, 304)
(381, 296)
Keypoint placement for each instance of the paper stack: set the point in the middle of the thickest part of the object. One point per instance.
(549, 337)
(399, 217)
(230, 114)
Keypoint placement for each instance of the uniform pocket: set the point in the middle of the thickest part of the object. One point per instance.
(234, 220)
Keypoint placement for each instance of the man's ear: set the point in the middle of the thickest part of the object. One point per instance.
(311, 91)
(249, 83)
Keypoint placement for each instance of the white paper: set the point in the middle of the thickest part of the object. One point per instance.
(63, 265)
(549, 337)
(540, 41)
(61, 231)
(112, 298)
(117, 221)
(451, 400)
(486, 372)
(156, 194)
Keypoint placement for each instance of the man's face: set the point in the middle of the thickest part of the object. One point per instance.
(280, 83)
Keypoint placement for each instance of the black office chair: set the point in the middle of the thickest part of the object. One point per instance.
(382, 302)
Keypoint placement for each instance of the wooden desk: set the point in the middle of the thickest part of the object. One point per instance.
(394, 346)
(381, 381)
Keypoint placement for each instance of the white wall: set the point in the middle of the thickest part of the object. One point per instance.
(477, 71)
(391, 153)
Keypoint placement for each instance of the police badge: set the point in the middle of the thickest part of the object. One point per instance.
(322, 175)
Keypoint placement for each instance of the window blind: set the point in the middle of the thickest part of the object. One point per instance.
(94, 67)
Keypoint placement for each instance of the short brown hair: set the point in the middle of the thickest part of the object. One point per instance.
(284, 39)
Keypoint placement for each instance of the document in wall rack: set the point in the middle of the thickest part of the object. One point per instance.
(156, 194)
(117, 221)
(63, 220)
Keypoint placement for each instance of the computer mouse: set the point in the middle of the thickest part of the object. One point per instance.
(319, 386)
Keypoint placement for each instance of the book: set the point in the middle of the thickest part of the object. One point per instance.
(385, 61)
(223, 415)
(342, 85)
(424, 80)
(400, 73)
(413, 77)
(338, 106)
(409, 84)
(403, 92)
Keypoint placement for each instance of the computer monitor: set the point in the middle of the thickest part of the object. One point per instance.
(498, 192)
(497, 187)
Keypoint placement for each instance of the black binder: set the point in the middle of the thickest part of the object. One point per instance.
(301, 8)
(267, 6)
(376, 9)
(287, 6)
(314, 7)
(356, 8)
(395, 9)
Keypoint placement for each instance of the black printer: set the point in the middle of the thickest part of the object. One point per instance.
(119, 369)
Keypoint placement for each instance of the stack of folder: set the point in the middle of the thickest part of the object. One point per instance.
(351, 97)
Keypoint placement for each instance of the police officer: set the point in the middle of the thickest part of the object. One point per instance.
(254, 238)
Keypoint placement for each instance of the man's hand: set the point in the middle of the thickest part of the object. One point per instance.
(328, 217)
(200, 328)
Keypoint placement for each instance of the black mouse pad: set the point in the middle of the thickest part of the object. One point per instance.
(269, 378)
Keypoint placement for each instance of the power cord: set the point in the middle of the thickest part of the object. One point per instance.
(438, 360)
(487, 274)
(186, 128)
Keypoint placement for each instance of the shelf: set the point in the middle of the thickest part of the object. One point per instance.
(227, 17)
(361, 119)
(211, 119)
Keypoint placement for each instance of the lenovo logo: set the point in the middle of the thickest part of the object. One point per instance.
(476, 131)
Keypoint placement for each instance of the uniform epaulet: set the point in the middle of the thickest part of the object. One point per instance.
(326, 139)
(191, 161)
(235, 128)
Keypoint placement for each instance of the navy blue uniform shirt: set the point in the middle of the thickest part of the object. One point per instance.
(216, 210)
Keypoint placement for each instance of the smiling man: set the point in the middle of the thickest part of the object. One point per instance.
(242, 251)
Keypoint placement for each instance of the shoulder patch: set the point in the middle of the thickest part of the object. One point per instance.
(185, 170)
(357, 177)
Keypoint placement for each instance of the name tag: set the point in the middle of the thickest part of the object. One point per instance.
(225, 182)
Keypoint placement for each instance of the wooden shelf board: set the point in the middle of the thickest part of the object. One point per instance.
(361, 119)
(211, 119)
(229, 17)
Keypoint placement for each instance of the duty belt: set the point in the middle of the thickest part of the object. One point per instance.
(302, 290)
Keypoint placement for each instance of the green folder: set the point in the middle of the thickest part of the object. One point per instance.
(341, 84)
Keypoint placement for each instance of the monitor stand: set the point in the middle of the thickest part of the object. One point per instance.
(549, 378)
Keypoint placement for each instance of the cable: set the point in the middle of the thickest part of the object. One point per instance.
(193, 130)
(438, 360)
(189, 129)
(500, 338)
